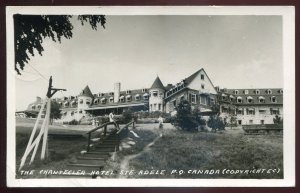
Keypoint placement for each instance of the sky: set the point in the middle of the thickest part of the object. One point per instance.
(235, 51)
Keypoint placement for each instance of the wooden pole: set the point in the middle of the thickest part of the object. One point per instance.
(45, 137)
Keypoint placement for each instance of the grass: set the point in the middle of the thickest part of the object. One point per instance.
(232, 150)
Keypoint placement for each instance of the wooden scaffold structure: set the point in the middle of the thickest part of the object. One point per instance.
(33, 144)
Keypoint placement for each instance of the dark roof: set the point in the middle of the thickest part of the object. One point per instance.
(86, 92)
(255, 94)
(157, 84)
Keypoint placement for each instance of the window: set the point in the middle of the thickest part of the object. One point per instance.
(80, 111)
(144, 90)
(33, 107)
(111, 99)
(261, 99)
(154, 106)
(224, 109)
(236, 92)
(240, 111)
(128, 91)
(154, 93)
(249, 99)
(281, 91)
(231, 98)
(246, 91)
(87, 102)
(250, 122)
(121, 99)
(39, 106)
(203, 99)
(212, 101)
(103, 100)
(274, 111)
(96, 101)
(72, 113)
(146, 96)
(224, 97)
(269, 91)
(81, 101)
(257, 91)
(202, 76)
(250, 111)
(128, 98)
(262, 111)
(111, 94)
(240, 122)
(193, 98)
(159, 107)
(151, 108)
(202, 86)
(239, 100)
(262, 122)
(174, 103)
(137, 97)
(273, 99)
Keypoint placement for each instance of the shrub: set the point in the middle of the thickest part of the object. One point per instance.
(216, 123)
(73, 122)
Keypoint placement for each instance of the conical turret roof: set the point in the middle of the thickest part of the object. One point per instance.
(157, 84)
(86, 92)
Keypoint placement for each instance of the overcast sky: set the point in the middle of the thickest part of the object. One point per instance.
(235, 51)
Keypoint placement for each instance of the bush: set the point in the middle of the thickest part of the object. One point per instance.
(73, 122)
(184, 117)
(216, 123)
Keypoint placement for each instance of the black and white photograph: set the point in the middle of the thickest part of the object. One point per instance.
(150, 96)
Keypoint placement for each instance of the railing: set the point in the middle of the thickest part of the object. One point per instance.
(262, 128)
(95, 129)
(120, 133)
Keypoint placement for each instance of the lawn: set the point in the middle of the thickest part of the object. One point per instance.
(179, 154)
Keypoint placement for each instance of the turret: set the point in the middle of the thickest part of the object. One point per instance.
(157, 93)
(85, 99)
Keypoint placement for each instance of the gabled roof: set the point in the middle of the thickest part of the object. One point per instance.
(189, 79)
(86, 92)
(157, 84)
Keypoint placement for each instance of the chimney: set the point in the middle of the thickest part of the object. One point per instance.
(38, 99)
(117, 92)
(217, 88)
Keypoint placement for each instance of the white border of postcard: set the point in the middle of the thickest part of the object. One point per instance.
(288, 14)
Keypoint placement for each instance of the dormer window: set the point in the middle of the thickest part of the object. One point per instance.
(33, 107)
(111, 94)
(128, 91)
(144, 90)
(66, 104)
(280, 91)
(269, 91)
(39, 106)
(273, 99)
(224, 96)
(111, 99)
(257, 91)
(137, 97)
(239, 100)
(146, 96)
(122, 98)
(96, 101)
(128, 98)
(231, 98)
(202, 76)
(100, 94)
(246, 92)
(236, 92)
(249, 99)
(261, 99)
(103, 100)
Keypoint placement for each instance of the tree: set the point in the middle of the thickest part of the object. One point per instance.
(31, 30)
(184, 118)
(197, 115)
(215, 122)
(277, 120)
(55, 112)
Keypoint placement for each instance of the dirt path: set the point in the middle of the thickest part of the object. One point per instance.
(124, 165)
